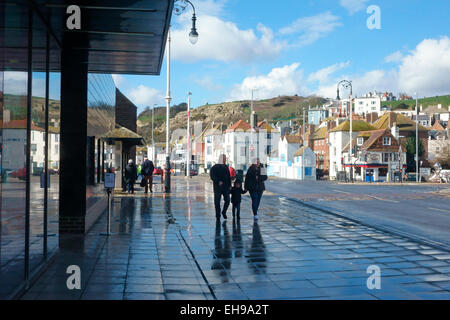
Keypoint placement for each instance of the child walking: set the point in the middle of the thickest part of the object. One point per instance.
(236, 192)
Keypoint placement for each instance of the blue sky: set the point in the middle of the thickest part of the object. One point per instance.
(301, 47)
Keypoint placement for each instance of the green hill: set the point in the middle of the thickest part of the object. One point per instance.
(425, 102)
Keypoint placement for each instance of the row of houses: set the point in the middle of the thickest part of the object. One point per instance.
(378, 145)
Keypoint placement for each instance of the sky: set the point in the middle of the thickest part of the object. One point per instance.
(289, 47)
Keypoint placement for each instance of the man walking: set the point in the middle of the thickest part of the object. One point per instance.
(220, 175)
(147, 172)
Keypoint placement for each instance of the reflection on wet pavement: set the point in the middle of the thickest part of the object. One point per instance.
(171, 247)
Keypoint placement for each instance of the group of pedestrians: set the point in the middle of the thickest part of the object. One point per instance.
(254, 184)
(145, 170)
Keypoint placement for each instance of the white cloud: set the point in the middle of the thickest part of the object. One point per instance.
(208, 83)
(323, 75)
(353, 6)
(224, 41)
(424, 70)
(279, 81)
(310, 29)
(118, 79)
(397, 56)
(15, 82)
(146, 96)
(427, 68)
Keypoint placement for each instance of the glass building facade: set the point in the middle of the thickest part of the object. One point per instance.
(30, 141)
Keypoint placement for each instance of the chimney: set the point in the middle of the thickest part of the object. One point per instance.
(421, 108)
(395, 131)
(311, 129)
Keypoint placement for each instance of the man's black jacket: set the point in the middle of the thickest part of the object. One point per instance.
(220, 172)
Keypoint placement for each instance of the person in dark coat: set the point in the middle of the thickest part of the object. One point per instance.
(236, 197)
(130, 175)
(147, 173)
(220, 175)
(254, 183)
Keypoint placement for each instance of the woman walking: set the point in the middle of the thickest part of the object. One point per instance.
(254, 183)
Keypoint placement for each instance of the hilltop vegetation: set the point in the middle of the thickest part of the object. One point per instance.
(279, 108)
(425, 102)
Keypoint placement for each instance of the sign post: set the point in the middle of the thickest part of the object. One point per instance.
(110, 181)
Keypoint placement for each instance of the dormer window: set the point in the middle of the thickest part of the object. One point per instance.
(386, 141)
(360, 141)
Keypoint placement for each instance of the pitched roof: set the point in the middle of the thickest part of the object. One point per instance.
(241, 125)
(373, 137)
(300, 151)
(357, 125)
(266, 126)
(437, 126)
(20, 124)
(122, 133)
(292, 139)
(403, 122)
(319, 133)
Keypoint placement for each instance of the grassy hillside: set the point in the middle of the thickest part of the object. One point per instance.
(425, 102)
(279, 108)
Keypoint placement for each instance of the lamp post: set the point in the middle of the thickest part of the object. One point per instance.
(348, 85)
(153, 139)
(417, 140)
(179, 7)
(188, 151)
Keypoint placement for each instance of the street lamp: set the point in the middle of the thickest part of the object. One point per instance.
(188, 151)
(179, 7)
(346, 84)
(417, 140)
(153, 139)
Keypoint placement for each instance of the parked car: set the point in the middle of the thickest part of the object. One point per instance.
(157, 171)
(20, 174)
(194, 172)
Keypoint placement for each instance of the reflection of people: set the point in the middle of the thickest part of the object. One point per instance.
(147, 172)
(237, 239)
(222, 250)
(236, 197)
(254, 183)
(220, 175)
(130, 176)
(257, 251)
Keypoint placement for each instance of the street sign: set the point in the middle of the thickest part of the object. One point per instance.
(110, 180)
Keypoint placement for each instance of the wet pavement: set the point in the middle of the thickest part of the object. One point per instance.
(170, 247)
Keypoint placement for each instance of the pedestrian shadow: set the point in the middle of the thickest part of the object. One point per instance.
(256, 252)
(222, 253)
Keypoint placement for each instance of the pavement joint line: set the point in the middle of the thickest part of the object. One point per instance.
(415, 238)
(197, 264)
(443, 210)
(380, 199)
(340, 191)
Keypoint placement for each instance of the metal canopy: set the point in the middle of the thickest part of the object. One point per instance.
(123, 36)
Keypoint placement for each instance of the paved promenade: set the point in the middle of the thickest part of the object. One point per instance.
(170, 247)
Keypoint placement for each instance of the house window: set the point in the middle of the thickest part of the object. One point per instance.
(385, 157)
(360, 141)
(33, 147)
(269, 150)
(386, 141)
(209, 151)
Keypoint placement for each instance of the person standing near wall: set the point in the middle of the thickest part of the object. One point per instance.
(147, 172)
(130, 176)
